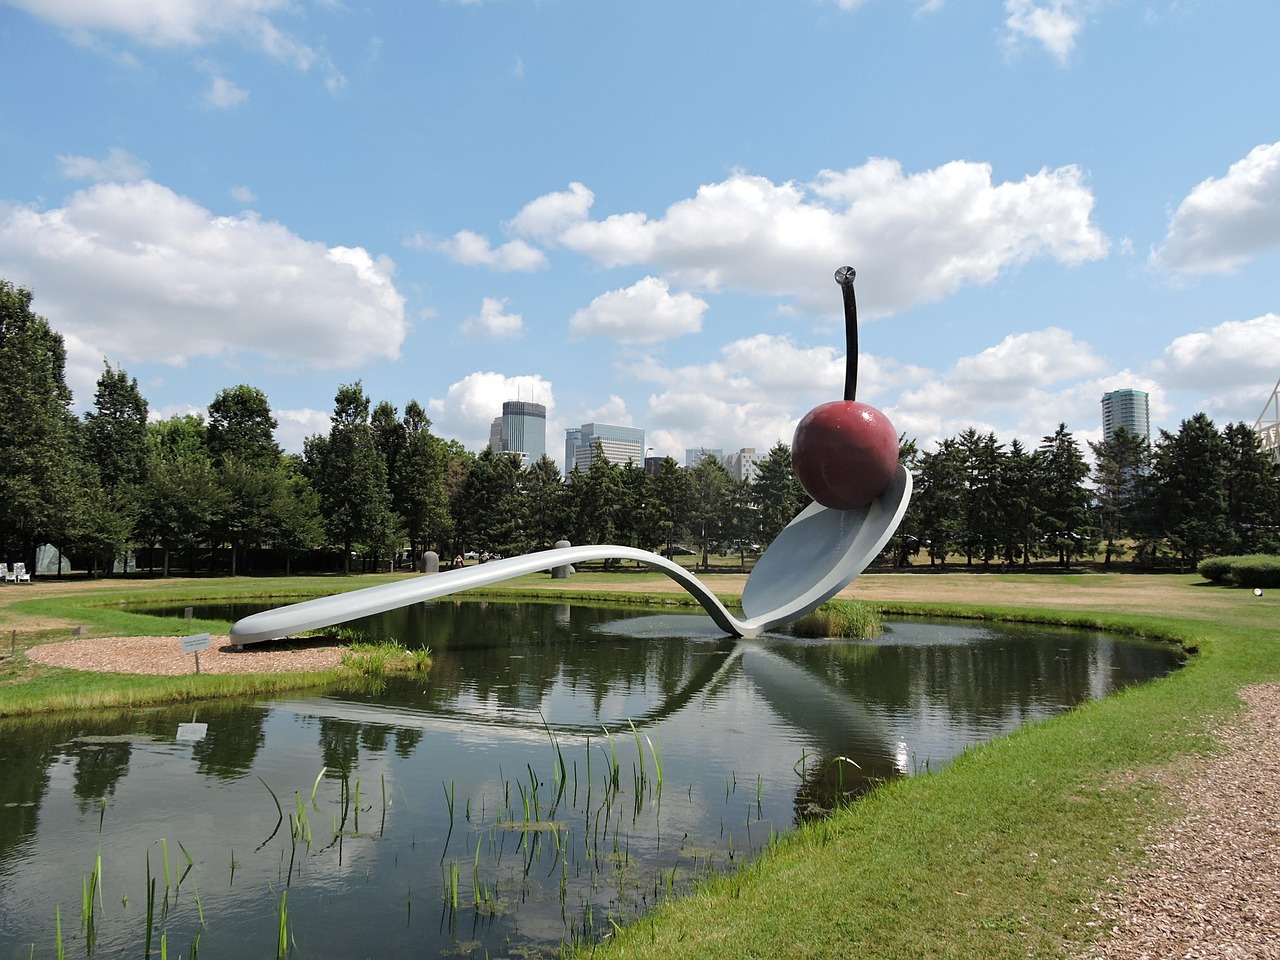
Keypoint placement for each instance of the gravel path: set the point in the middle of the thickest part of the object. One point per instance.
(163, 655)
(1212, 886)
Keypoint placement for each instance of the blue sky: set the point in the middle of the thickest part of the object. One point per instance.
(632, 212)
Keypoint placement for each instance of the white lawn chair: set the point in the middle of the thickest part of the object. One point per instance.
(9, 575)
(20, 573)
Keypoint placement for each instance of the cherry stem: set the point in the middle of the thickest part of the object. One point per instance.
(844, 277)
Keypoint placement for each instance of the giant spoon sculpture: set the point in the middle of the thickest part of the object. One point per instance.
(846, 457)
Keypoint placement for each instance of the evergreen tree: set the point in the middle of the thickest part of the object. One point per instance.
(1189, 473)
(777, 492)
(669, 492)
(982, 529)
(940, 493)
(114, 435)
(709, 486)
(1019, 504)
(490, 519)
(1252, 491)
(1065, 519)
(1121, 463)
(418, 492)
(544, 498)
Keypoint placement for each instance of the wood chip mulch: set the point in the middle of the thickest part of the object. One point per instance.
(1211, 888)
(163, 655)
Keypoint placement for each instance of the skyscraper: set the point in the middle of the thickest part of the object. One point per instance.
(619, 445)
(1127, 409)
(521, 429)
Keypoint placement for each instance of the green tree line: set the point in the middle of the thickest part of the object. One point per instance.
(212, 492)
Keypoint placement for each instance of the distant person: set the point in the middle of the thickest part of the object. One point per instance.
(457, 562)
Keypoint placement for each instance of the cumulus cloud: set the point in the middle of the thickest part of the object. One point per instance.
(1054, 24)
(1239, 353)
(492, 324)
(142, 273)
(551, 213)
(474, 249)
(645, 312)
(914, 238)
(1224, 222)
(294, 426)
(469, 406)
(184, 25)
(119, 165)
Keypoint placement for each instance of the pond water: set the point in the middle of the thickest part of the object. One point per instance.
(561, 769)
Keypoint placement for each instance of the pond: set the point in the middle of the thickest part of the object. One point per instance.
(561, 769)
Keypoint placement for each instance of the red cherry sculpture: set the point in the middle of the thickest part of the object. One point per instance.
(845, 452)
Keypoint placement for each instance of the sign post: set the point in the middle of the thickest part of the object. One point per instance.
(194, 644)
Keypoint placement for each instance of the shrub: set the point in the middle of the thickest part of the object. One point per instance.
(1255, 570)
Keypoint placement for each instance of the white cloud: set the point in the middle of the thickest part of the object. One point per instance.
(223, 94)
(142, 273)
(470, 405)
(645, 312)
(1224, 222)
(1054, 24)
(118, 165)
(294, 426)
(548, 215)
(182, 24)
(1237, 353)
(243, 194)
(473, 249)
(914, 239)
(492, 324)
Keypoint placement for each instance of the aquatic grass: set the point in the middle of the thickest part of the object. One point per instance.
(841, 619)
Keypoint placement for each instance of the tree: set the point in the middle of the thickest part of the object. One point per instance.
(1019, 504)
(596, 501)
(350, 477)
(114, 436)
(709, 486)
(42, 482)
(241, 426)
(1189, 473)
(981, 497)
(1065, 517)
(1121, 463)
(669, 494)
(776, 492)
(490, 518)
(544, 497)
(182, 497)
(418, 492)
(940, 496)
(1252, 491)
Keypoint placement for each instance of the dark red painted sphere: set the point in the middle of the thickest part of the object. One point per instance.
(845, 453)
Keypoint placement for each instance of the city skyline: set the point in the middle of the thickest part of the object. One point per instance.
(465, 202)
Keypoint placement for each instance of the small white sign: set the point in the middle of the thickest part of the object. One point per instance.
(191, 732)
(195, 642)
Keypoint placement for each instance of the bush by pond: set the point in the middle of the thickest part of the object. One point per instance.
(844, 619)
(1254, 570)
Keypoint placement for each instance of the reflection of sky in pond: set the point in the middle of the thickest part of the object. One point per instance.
(745, 732)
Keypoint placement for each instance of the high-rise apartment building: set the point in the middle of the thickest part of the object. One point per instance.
(1126, 409)
(619, 445)
(521, 429)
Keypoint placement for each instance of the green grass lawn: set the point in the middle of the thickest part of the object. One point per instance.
(1000, 854)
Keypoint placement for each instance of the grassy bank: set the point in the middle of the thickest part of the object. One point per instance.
(1001, 854)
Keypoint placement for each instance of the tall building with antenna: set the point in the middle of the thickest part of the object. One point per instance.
(521, 429)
